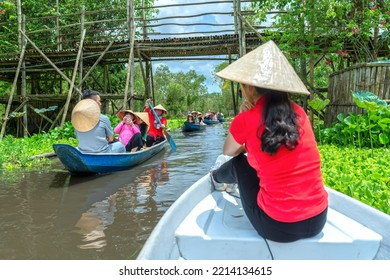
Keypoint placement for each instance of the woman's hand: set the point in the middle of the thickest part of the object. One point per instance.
(245, 106)
(147, 101)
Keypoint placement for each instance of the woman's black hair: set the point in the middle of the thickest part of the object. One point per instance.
(88, 93)
(280, 122)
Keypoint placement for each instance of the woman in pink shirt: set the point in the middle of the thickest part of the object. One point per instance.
(129, 131)
(276, 163)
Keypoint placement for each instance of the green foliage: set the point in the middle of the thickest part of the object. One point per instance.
(360, 173)
(368, 100)
(179, 92)
(58, 133)
(319, 106)
(18, 152)
(370, 129)
(308, 26)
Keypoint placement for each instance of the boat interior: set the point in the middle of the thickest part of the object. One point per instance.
(217, 228)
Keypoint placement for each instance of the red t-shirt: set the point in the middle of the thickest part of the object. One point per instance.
(153, 130)
(291, 181)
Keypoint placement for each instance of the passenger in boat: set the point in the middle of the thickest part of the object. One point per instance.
(142, 119)
(276, 163)
(194, 115)
(190, 119)
(220, 117)
(129, 131)
(200, 118)
(93, 129)
(155, 133)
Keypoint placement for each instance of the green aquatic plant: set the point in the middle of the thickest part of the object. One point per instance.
(318, 105)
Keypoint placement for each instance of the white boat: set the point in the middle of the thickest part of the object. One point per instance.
(204, 224)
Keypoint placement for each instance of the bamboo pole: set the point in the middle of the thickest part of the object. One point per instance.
(24, 83)
(83, 30)
(73, 79)
(144, 21)
(131, 27)
(19, 12)
(142, 66)
(241, 31)
(105, 74)
(97, 62)
(49, 61)
(42, 115)
(152, 82)
(58, 34)
(57, 118)
(7, 110)
(250, 26)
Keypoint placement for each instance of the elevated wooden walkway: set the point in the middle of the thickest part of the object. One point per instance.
(149, 49)
(69, 48)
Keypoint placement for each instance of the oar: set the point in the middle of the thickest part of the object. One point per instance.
(169, 138)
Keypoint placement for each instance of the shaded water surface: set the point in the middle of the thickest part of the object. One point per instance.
(52, 214)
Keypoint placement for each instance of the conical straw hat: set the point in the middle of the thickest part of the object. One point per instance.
(265, 67)
(122, 113)
(160, 107)
(85, 115)
(143, 116)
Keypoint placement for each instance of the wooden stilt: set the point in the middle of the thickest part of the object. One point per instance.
(49, 61)
(73, 79)
(7, 110)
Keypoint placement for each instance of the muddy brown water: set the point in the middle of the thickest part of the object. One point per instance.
(54, 215)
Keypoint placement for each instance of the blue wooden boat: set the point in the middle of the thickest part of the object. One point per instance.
(190, 127)
(77, 162)
(210, 122)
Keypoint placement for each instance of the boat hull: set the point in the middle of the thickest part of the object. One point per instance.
(77, 162)
(191, 127)
(211, 122)
(205, 224)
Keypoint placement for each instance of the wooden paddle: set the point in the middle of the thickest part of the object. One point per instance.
(169, 138)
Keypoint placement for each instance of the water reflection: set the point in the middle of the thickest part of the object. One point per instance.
(52, 214)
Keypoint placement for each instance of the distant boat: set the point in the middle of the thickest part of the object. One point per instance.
(209, 122)
(204, 224)
(77, 162)
(189, 127)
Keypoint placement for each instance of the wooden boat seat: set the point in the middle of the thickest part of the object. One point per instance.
(210, 233)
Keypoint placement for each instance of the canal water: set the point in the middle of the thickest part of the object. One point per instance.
(54, 215)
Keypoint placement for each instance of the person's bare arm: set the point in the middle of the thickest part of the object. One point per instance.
(231, 147)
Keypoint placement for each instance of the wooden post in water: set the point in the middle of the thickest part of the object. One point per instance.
(24, 83)
(130, 62)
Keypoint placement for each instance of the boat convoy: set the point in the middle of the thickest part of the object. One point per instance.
(197, 122)
(205, 224)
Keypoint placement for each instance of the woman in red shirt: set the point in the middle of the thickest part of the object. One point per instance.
(155, 133)
(279, 178)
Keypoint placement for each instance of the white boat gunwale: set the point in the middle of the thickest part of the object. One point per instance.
(161, 244)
